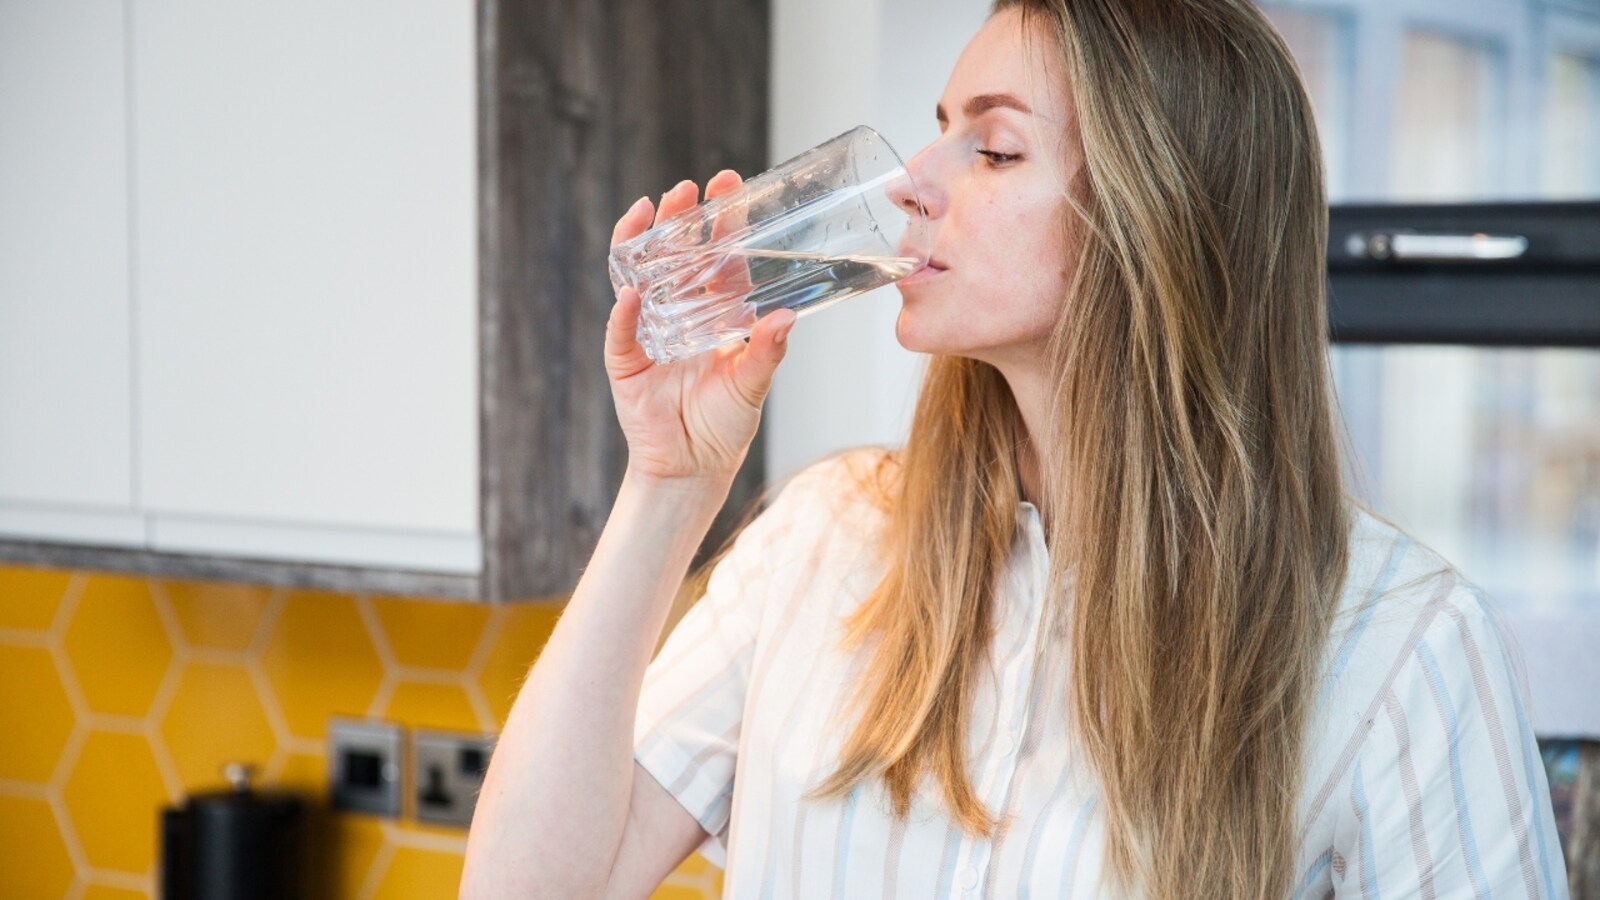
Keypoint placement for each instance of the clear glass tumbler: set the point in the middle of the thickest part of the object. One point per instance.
(831, 223)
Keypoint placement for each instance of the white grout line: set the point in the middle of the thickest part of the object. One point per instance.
(379, 868)
(383, 696)
(479, 660)
(277, 722)
(26, 790)
(68, 605)
(165, 765)
(481, 709)
(380, 644)
(117, 878)
(166, 691)
(305, 746)
(272, 770)
(114, 723)
(169, 618)
(419, 675)
(424, 840)
(493, 631)
(375, 633)
(282, 734)
(58, 650)
(217, 656)
(23, 637)
(276, 601)
(57, 796)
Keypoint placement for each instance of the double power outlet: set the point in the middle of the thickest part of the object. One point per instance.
(443, 770)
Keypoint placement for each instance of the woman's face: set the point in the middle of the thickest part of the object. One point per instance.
(994, 184)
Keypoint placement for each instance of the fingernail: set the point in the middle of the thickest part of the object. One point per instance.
(638, 203)
(784, 334)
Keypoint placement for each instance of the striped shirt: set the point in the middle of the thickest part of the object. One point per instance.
(1424, 777)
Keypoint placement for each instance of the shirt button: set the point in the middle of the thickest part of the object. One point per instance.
(969, 878)
(1005, 745)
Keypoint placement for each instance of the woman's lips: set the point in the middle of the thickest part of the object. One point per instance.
(922, 273)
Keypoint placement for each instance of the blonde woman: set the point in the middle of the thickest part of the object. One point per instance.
(1107, 625)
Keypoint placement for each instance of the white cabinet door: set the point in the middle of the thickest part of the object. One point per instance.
(65, 405)
(306, 247)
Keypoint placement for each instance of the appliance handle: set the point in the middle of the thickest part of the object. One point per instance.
(1387, 245)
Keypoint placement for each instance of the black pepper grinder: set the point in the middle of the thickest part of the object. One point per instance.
(234, 844)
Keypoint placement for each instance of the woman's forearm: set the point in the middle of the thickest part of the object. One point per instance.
(555, 800)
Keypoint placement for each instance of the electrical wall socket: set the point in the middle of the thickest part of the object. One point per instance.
(446, 775)
(364, 766)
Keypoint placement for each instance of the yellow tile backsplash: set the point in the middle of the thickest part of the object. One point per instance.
(111, 615)
(41, 868)
(34, 700)
(123, 694)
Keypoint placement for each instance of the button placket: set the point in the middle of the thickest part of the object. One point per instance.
(1015, 694)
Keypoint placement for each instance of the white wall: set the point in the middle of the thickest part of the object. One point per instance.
(846, 380)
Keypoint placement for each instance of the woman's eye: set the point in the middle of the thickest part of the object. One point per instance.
(996, 157)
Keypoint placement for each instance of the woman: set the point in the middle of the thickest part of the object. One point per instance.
(1107, 624)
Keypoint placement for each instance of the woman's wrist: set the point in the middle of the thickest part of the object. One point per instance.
(706, 489)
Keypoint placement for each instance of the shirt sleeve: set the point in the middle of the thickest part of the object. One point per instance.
(1448, 796)
(691, 706)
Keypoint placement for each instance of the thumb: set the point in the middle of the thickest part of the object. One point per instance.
(753, 368)
(623, 355)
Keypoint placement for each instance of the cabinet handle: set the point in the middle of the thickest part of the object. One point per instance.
(1382, 245)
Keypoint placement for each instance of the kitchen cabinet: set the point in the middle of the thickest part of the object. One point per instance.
(315, 294)
(65, 374)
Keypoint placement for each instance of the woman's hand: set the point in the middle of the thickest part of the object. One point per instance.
(693, 419)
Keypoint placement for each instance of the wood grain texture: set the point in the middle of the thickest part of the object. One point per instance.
(1583, 851)
(583, 108)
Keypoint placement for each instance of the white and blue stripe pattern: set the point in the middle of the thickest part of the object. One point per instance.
(1424, 779)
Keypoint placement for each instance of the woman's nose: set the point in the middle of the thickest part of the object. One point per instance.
(912, 191)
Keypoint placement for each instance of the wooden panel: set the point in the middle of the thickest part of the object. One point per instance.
(585, 106)
(65, 403)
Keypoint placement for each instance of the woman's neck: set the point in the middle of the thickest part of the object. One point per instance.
(1028, 472)
(1031, 393)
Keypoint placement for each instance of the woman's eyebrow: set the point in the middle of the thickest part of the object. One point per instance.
(982, 103)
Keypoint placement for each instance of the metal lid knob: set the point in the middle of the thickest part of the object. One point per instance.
(239, 775)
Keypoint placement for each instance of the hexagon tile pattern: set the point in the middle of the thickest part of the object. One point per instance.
(118, 645)
(114, 795)
(128, 693)
(33, 694)
(37, 865)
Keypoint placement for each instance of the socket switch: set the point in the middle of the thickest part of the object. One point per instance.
(447, 773)
(364, 766)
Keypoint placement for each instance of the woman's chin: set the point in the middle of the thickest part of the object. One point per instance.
(912, 336)
(905, 334)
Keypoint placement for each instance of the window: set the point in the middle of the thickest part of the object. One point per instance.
(1470, 387)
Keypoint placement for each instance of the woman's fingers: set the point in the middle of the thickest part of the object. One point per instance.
(733, 218)
(752, 370)
(623, 355)
(682, 196)
(633, 222)
(722, 182)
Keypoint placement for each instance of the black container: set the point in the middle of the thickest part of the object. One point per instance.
(235, 844)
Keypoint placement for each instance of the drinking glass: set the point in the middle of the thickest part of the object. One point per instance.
(838, 220)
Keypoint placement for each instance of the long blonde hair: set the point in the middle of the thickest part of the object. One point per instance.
(1191, 467)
